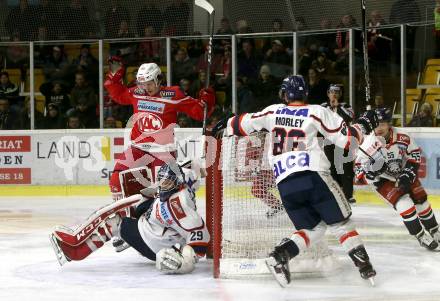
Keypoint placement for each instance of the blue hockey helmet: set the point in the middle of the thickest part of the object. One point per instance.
(384, 114)
(294, 87)
(169, 179)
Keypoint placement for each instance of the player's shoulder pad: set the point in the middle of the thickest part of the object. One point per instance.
(325, 104)
(400, 136)
(172, 92)
(184, 210)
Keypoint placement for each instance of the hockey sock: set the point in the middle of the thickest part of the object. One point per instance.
(427, 217)
(405, 207)
(346, 234)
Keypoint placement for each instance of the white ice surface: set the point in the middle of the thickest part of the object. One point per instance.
(29, 270)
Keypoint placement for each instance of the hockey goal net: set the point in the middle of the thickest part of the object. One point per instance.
(245, 215)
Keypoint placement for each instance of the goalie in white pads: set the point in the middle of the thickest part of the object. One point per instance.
(310, 196)
(171, 232)
(390, 162)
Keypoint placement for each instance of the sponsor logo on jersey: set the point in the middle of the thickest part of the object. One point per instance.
(158, 217)
(167, 93)
(177, 208)
(293, 112)
(292, 122)
(165, 213)
(150, 106)
(150, 123)
(293, 161)
(403, 138)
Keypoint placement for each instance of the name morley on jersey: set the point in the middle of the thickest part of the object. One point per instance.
(286, 121)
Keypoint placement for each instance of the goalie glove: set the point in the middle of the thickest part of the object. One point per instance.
(176, 261)
(406, 178)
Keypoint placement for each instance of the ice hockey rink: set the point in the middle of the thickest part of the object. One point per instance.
(29, 270)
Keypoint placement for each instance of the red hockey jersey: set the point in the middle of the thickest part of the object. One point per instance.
(155, 116)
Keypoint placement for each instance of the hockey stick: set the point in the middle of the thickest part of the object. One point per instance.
(365, 46)
(210, 9)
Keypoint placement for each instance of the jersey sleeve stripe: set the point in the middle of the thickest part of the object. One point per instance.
(261, 115)
(326, 128)
(236, 125)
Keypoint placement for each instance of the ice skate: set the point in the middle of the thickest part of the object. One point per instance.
(62, 259)
(428, 242)
(352, 200)
(278, 265)
(119, 244)
(360, 258)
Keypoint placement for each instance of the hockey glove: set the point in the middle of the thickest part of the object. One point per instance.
(207, 96)
(218, 129)
(368, 121)
(117, 69)
(406, 178)
(174, 261)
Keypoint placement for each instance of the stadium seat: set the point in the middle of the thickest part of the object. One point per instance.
(413, 97)
(433, 62)
(220, 97)
(431, 75)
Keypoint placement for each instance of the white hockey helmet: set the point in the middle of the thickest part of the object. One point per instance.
(149, 72)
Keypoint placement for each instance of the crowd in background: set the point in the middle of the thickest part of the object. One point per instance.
(70, 86)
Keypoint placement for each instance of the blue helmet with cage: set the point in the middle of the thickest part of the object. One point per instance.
(294, 87)
(384, 114)
(169, 178)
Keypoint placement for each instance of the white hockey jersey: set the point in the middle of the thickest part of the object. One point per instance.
(297, 133)
(176, 220)
(399, 150)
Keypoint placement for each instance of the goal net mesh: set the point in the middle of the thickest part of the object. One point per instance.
(252, 219)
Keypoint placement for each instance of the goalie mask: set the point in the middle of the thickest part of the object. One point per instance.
(169, 179)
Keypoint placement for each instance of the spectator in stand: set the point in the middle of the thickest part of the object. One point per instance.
(342, 43)
(53, 119)
(55, 93)
(196, 49)
(378, 101)
(176, 18)
(245, 98)
(305, 61)
(57, 66)
(225, 27)
(317, 88)
(243, 27)
(185, 86)
(278, 60)
(48, 20)
(199, 83)
(76, 22)
(111, 123)
(17, 56)
(21, 21)
(225, 65)
(8, 118)
(301, 24)
(182, 66)
(202, 62)
(149, 15)
(183, 121)
(8, 89)
(113, 17)
(424, 118)
(87, 63)
(249, 61)
(323, 65)
(84, 100)
(123, 31)
(148, 50)
(266, 88)
(379, 46)
(73, 121)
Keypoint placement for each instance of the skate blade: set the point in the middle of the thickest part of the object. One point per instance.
(373, 284)
(58, 253)
(269, 263)
(124, 247)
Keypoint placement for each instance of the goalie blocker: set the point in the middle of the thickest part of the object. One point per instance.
(170, 221)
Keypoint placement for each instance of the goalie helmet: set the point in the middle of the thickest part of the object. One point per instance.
(149, 72)
(294, 87)
(169, 179)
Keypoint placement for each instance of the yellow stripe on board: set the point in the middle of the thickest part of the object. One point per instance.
(105, 148)
(241, 192)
